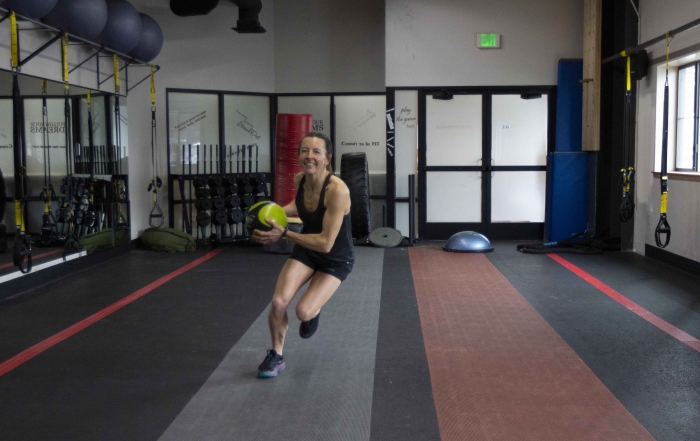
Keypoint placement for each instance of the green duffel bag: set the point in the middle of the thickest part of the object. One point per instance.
(102, 240)
(169, 240)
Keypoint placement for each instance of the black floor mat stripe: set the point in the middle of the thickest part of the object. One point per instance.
(402, 404)
(129, 375)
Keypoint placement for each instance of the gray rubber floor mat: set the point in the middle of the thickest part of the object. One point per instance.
(325, 392)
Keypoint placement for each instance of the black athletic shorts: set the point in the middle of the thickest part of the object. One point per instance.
(313, 260)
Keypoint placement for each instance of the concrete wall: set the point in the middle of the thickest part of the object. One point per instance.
(434, 43)
(658, 17)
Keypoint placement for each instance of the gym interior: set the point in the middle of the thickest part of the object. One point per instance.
(526, 217)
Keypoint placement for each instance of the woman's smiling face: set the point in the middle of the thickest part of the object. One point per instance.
(313, 155)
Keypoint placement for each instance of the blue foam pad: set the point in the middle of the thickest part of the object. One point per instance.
(569, 106)
(567, 195)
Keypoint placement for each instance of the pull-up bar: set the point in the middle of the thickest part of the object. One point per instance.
(636, 49)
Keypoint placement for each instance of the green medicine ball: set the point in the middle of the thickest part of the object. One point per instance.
(255, 219)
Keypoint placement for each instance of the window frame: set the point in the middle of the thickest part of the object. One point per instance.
(696, 128)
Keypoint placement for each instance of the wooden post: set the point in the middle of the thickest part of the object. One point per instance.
(592, 24)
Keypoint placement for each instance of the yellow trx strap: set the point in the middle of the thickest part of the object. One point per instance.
(88, 100)
(64, 57)
(153, 88)
(14, 41)
(116, 74)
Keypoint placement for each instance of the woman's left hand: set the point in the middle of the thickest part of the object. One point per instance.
(266, 237)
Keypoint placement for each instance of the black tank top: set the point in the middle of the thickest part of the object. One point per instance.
(313, 224)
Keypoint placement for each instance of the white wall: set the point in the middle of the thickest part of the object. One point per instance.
(329, 46)
(658, 17)
(434, 42)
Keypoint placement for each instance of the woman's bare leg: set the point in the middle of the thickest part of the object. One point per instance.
(293, 276)
(321, 288)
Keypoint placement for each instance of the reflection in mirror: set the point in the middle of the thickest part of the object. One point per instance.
(75, 178)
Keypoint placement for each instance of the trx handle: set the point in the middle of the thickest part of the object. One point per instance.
(14, 41)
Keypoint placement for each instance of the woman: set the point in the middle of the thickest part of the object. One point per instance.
(322, 252)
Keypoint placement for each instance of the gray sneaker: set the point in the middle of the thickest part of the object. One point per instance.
(272, 365)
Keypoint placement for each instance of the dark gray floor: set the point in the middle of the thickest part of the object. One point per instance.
(655, 376)
(402, 406)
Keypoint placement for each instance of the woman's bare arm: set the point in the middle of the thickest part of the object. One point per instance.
(338, 202)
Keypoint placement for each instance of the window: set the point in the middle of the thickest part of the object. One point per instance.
(687, 119)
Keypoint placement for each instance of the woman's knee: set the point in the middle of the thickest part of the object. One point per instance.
(278, 306)
(304, 313)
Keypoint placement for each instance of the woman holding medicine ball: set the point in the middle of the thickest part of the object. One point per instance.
(323, 251)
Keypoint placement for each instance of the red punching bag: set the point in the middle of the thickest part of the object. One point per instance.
(291, 129)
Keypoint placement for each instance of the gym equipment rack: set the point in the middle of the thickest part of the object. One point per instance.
(220, 185)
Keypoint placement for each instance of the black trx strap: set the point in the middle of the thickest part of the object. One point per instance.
(22, 255)
(627, 171)
(90, 216)
(71, 212)
(156, 219)
(120, 193)
(48, 221)
(663, 228)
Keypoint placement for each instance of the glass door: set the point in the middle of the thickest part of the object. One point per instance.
(482, 163)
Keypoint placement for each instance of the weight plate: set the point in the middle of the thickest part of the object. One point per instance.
(248, 200)
(385, 237)
(234, 216)
(203, 204)
(219, 217)
(203, 219)
(219, 203)
(232, 201)
(202, 193)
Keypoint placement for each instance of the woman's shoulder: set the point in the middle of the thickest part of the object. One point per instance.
(297, 179)
(337, 186)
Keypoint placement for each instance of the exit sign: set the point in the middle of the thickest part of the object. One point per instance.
(488, 41)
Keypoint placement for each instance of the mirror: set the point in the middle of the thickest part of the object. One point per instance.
(89, 180)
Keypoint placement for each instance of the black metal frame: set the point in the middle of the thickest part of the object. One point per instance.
(78, 41)
(508, 231)
(696, 126)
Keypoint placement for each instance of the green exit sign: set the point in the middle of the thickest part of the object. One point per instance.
(488, 41)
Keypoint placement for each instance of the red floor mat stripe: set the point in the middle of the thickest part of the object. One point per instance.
(38, 348)
(37, 256)
(498, 370)
(629, 304)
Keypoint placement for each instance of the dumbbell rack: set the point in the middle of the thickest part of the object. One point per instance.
(219, 195)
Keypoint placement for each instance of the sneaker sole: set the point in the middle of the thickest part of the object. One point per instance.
(271, 374)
